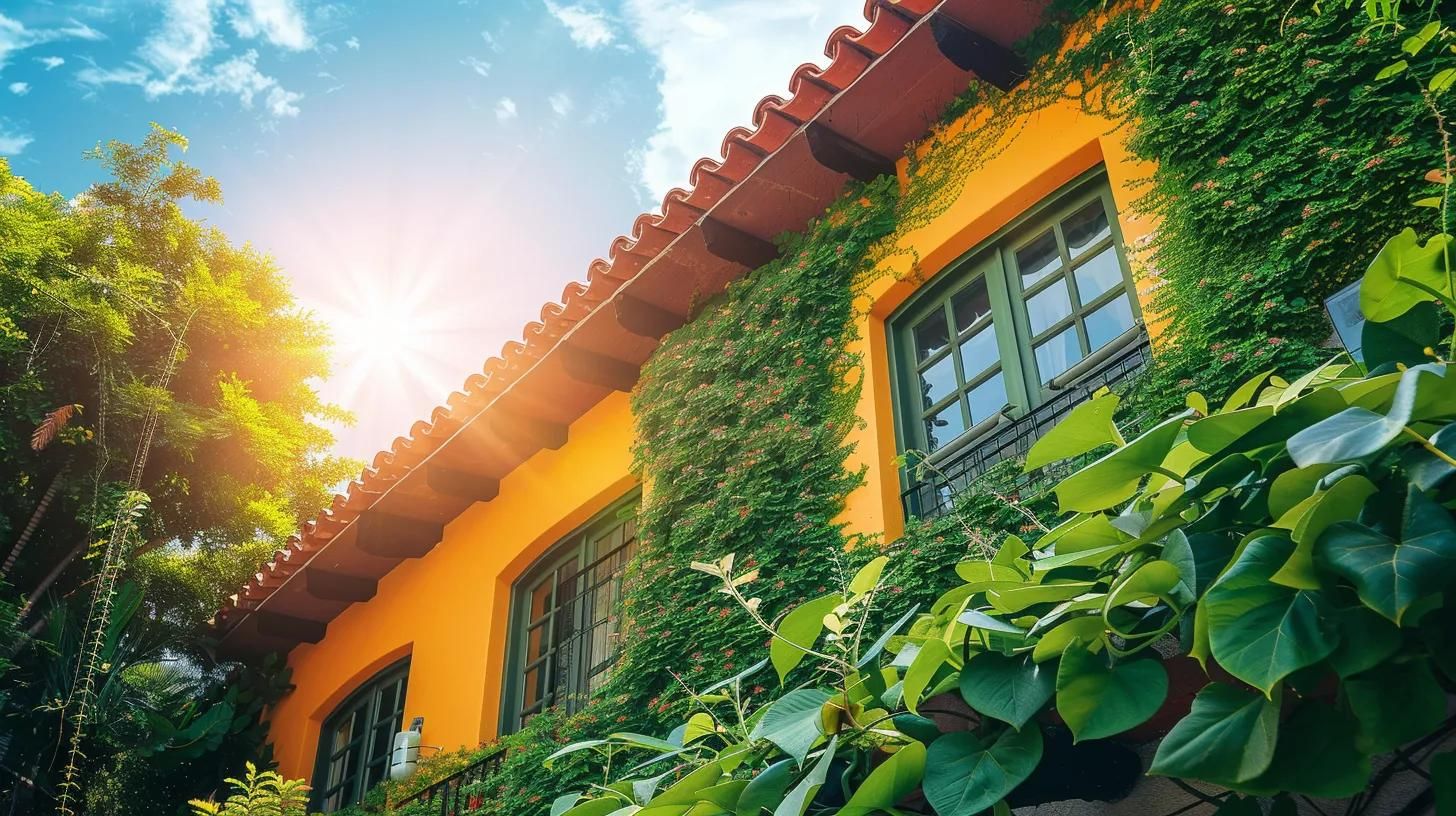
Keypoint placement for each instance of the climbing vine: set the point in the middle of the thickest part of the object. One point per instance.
(1281, 162)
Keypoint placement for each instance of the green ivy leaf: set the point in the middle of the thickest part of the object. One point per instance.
(1396, 702)
(1308, 520)
(1227, 738)
(1260, 631)
(892, 781)
(965, 775)
(1010, 689)
(1317, 755)
(1086, 428)
(1390, 576)
(800, 628)
(1099, 700)
(792, 722)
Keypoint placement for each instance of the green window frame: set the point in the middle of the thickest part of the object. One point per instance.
(357, 738)
(565, 622)
(1016, 320)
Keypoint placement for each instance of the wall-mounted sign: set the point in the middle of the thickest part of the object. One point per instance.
(1344, 311)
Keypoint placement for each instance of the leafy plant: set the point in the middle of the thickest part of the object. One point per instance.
(258, 793)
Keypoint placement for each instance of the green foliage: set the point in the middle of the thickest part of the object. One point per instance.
(117, 310)
(258, 793)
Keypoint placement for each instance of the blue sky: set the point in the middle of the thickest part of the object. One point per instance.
(450, 163)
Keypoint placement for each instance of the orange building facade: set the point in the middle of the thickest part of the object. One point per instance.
(427, 573)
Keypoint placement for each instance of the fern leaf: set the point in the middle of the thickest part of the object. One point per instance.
(51, 426)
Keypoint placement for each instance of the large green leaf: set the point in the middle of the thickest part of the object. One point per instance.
(1099, 700)
(1396, 702)
(1308, 520)
(1214, 433)
(1386, 291)
(595, 807)
(932, 656)
(1392, 575)
(1424, 392)
(1114, 478)
(1317, 755)
(1227, 738)
(892, 781)
(798, 631)
(965, 775)
(1366, 640)
(1261, 631)
(1402, 339)
(1010, 689)
(1443, 781)
(792, 722)
(766, 791)
(685, 791)
(797, 800)
(1086, 428)
(1087, 631)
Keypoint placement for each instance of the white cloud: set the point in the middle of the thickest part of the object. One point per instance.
(278, 21)
(561, 103)
(175, 58)
(587, 25)
(15, 37)
(19, 88)
(505, 109)
(491, 42)
(11, 143)
(696, 44)
(477, 65)
(51, 63)
(353, 43)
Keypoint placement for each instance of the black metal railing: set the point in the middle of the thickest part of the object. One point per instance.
(449, 796)
(935, 491)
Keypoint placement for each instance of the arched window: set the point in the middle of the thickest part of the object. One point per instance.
(357, 738)
(565, 614)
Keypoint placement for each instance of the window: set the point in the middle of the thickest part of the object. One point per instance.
(1003, 332)
(357, 739)
(564, 617)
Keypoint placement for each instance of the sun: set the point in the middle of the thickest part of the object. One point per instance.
(385, 336)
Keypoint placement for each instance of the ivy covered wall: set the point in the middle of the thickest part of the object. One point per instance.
(1280, 171)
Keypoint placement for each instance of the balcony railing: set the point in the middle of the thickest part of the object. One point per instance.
(935, 494)
(448, 797)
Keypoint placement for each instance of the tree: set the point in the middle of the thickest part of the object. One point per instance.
(118, 310)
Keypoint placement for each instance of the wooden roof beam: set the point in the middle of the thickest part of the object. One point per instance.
(736, 246)
(973, 52)
(461, 484)
(646, 319)
(598, 369)
(842, 154)
(389, 536)
(288, 627)
(336, 586)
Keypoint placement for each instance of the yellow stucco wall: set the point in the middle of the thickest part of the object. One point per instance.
(448, 611)
(1049, 150)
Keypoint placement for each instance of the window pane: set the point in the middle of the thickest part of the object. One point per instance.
(943, 427)
(1048, 306)
(931, 336)
(1058, 354)
(979, 353)
(938, 381)
(1038, 259)
(971, 304)
(1086, 227)
(988, 398)
(1099, 274)
(1105, 324)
